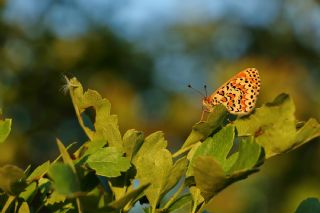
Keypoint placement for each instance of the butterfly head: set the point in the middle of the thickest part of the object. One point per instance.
(207, 103)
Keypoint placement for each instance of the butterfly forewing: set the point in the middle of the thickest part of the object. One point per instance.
(239, 94)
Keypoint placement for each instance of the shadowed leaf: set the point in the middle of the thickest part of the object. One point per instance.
(182, 205)
(65, 181)
(310, 205)
(128, 197)
(12, 179)
(202, 130)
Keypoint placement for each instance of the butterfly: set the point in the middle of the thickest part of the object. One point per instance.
(238, 95)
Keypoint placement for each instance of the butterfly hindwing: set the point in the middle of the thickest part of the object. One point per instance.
(239, 94)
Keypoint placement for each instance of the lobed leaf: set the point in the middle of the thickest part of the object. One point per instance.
(105, 124)
(132, 141)
(218, 146)
(209, 176)
(274, 127)
(249, 153)
(108, 162)
(154, 165)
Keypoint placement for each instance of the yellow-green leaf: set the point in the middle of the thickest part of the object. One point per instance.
(108, 162)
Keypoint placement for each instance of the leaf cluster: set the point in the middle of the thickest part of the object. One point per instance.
(114, 172)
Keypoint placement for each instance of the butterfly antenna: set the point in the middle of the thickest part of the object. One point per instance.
(205, 90)
(198, 91)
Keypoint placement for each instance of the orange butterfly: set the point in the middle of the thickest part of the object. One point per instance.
(238, 95)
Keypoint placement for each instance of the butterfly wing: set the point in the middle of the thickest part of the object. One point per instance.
(239, 94)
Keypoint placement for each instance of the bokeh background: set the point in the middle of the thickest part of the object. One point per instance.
(141, 55)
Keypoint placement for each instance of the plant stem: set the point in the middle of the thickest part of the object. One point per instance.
(7, 204)
(68, 147)
(78, 205)
(201, 207)
(181, 151)
(76, 109)
(174, 197)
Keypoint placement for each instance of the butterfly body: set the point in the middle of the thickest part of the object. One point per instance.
(238, 95)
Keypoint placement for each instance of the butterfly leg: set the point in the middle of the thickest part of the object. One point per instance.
(204, 110)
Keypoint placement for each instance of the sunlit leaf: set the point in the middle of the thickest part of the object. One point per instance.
(39, 172)
(274, 127)
(108, 162)
(65, 155)
(105, 124)
(154, 165)
(132, 141)
(55, 197)
(29, 192)
(5, 128)
(24, 208)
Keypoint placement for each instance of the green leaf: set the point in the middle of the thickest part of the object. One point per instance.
(128, 197)
(5, 128)
(274, 127)
(65, 155)
(154, 165)
(214, 167)
(202, 130)
(24, 208)
(309, 131)
(182, 205)
(39, 172)
(309, 205)
(248, 155)
(105, 124)
(177, 171)
(108, 162)
(132, 141)
(55, 197)
(209, 176)
(29, 192)
(94, 146)
(218, 146)
(65, 181)
(11, 179)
